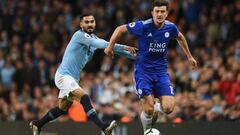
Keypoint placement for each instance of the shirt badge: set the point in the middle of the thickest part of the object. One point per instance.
(166, 34)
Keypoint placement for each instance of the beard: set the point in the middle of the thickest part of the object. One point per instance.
(88, 30)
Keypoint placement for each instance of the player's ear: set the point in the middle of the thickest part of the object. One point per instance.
(167, 13)
(80, 24)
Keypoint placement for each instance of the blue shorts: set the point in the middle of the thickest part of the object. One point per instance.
(153, 84)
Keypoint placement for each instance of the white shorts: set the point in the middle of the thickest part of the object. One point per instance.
(65, 84)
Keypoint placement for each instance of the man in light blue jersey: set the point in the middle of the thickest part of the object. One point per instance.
(150, 73)
(78, 52)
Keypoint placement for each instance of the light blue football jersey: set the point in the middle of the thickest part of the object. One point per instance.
(79, 51)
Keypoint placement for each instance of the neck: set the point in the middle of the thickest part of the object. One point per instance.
(159, 25)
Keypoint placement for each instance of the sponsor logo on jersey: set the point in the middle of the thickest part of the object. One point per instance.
(157, 47)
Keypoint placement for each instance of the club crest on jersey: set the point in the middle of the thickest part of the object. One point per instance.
(132, 24)
(166, 34)
(87, 36)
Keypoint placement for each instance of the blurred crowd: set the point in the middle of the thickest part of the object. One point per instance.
(35, 33)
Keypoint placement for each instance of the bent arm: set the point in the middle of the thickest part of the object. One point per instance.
(183, 44)
(116, 35)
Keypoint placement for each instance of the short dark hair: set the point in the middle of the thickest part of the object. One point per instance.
(84, 15)
(158, 3)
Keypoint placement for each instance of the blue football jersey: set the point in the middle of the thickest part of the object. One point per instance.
(152, 44)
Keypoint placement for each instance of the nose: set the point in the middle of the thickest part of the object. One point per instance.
(90, 24)
(159, 14)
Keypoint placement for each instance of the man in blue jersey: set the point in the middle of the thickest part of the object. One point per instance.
(150, 73)
(78, 52)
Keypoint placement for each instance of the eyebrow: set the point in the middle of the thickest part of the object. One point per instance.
(89, 20)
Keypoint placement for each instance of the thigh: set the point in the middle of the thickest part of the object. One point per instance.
(64, 104)
(77, 94)
(143, 84)
(66, 84)
(162, 86)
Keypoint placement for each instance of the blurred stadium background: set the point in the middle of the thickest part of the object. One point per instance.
(34, 35)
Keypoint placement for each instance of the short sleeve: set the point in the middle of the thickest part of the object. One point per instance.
(135, 28)
(175, 31)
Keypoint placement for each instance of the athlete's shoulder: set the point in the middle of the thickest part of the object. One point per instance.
(94, 36)
(172, 27)
(78, 32)
(148, 21)
(141, 22)
(168, 23)
(81, 34)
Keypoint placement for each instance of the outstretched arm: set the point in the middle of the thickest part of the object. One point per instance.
(183, 43)
(122, 50)
(126, 51)
(114, 38)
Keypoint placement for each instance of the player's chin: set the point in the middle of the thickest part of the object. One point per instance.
(90, 30)
(160, 21)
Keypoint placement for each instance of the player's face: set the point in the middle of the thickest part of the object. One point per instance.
(159, 14)
(88, 24)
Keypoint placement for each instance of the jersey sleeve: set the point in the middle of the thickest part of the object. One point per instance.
(82, 38)
(87, 40)
(102, 44)
(118, 48)
(135, 28)
(175, 31)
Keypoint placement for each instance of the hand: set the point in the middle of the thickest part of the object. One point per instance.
(132, 49)
(193, 63)
(108, 51)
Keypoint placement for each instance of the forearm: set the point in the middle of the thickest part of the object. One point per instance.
(122, 51)
(127, 54)
(183, 44)
(118, 48)
(102, 44)
(116, 35)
